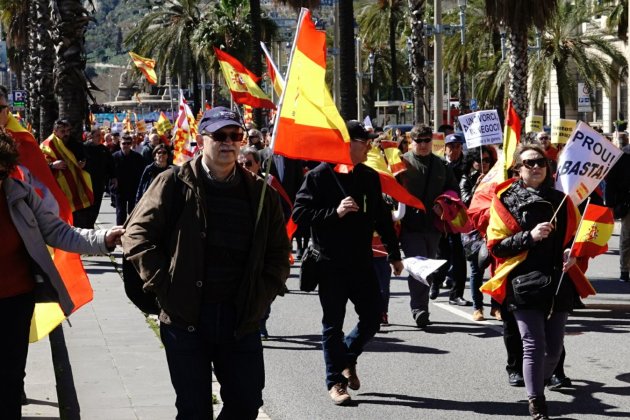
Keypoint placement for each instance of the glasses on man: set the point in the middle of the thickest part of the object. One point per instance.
(247, 163)
(222, 136)
(126, 142)
(423, 140)
(367, 142)
(530, 163)
(544, 138)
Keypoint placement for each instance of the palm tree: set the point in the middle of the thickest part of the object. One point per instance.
(381, 23)
(69, 23)
(518, 16)
(618, 18)
(417, 58)
(15, 15)
(567, 51)
(44, 107)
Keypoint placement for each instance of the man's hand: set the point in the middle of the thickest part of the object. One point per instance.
(112, 237)
(346, 206)
(568, 260)
(59, 164)
(397, 267)
(541, 231)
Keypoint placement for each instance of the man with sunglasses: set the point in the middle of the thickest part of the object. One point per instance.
(215, 264)
(343, 211)
(128, 168)
(427, 176)
(551, 152)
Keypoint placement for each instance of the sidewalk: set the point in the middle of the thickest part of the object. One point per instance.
(118, 364)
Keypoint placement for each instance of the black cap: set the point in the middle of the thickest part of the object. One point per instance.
(217, 118)
(455, 138)
(357, 131)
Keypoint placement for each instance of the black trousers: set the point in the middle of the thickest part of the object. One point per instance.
(17, 312)
(451, 249)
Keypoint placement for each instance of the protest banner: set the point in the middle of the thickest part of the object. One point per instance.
(117, 127)
(584, 162)
(420, 267)
(534, 124)
(481, 128)
(561, 131)
(438, 144)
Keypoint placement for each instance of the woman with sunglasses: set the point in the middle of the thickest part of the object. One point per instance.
(159, 165)
(530, 231)
(28, 225)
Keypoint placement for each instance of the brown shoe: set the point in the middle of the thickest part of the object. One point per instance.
(478, 315)
(496, 313)
(350, 373)
(339, 394)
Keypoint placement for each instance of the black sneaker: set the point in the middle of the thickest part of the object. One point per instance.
(557, 382)
(625, 276)
(422, 319)
(516, 379)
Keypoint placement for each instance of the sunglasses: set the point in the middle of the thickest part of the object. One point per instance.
(222, 136)
(486, 160)
(423, 140)
(125, 143)
(367, 142)
(247, 163)
(530, 163)
(4, 174)
(544, 138)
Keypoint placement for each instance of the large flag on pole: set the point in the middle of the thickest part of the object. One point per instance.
(242, 82)
(146, 66)
(511, 136)
(48, 315)
(309, 125)
(594, 232)
(277, 80)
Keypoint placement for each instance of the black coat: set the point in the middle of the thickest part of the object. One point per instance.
(128, 170)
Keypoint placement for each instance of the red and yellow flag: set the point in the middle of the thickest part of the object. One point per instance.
(73, 181)
(116, 118)
(186, 130)
(595, 230)
(309, 125)
(277, 80)
(49, 314)
(163, 124)
(511, 136)
(242, 82)
(146, 66)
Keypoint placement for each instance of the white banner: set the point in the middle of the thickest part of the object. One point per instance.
(481, 128)
(584, 162)
(420, 267)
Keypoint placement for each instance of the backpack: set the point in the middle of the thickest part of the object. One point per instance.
(146, 301)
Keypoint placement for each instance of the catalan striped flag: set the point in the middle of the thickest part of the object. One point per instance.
(48, 315)
(163, 124)
(146, 66)
(595, 230)
(75, 183)
(308, 125)
(242, 82)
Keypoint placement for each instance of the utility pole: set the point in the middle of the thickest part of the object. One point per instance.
(438, 82)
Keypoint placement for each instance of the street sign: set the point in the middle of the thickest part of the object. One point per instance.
(584, 98)
(18, 99)
(473, 105)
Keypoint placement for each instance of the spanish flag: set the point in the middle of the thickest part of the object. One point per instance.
(116, 118)
(74, 181)
(48, 315)
(272, 70)
(502, 224)
(146, 66)
(309, 126)
(595, 230)
(242, 82)
(511, 136)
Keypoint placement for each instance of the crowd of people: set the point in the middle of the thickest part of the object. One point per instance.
(208, 239)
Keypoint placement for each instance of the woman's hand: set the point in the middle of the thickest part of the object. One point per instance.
(541, 231)
(112, 237)
(568, 260)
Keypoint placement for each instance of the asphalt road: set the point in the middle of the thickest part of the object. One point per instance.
(456, 367)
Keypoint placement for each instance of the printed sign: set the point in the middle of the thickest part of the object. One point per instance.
(117, 127)
(534, 124)
(584, 98)
(584, 162)
(420, 267)
(561, 131)
(438, 144)
(481, 128)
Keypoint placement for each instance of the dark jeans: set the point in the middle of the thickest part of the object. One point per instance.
(383, 272)
(238, 365)
(512, 341)
(124, 207)
(451, 250)
(17, 312)
(338, 283)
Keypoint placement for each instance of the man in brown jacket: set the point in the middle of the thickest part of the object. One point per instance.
(195, 240)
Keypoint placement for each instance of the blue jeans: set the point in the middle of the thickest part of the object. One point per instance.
(124, 207)
(237, 362)
(337, 284)
(383, 272)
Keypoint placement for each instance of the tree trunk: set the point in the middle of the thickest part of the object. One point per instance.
(559, 66)
(256, 65)
(48, 108)
(463, 94)
(518, 73)
(32, 61)
(417, 59)
(392, 49)
(347, 65)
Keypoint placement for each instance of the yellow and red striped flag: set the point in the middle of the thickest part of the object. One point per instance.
(309, 125)
(595, 230)
(248, 114)
(277, 80)
(146, 66)
(163, 124)
(511, 136)
(116, 118)
(48, 315)
(185, 132)
(242, 82)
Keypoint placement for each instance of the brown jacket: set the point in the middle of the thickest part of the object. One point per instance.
(169, 254)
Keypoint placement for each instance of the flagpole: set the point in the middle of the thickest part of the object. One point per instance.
(278, 111)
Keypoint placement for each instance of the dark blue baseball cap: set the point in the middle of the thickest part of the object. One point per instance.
(216, 118)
